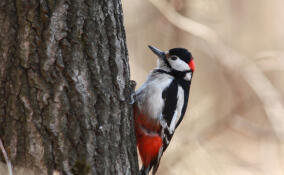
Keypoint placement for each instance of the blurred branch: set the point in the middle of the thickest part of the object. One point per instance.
(270, 54)
(8, 162)
(270, 60)
(271, 66)
(238, 64)
(242, 125)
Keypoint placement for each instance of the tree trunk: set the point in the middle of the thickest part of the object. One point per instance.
(65, 87)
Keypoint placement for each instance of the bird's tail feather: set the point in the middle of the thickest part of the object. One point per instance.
(144, 171)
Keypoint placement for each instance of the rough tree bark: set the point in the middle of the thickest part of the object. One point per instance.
(65, 87)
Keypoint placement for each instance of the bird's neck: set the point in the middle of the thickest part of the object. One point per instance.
(180, 75)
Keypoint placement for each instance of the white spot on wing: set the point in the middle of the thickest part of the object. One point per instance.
(177, 114)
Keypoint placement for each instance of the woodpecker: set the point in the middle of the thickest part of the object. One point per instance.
(160, 104)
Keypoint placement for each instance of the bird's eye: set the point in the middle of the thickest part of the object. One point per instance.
(173, 58)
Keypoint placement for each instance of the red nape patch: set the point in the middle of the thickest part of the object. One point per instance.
(191, 64)
(149, 147)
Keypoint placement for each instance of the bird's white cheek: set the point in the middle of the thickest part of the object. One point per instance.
(179, 65)
(178, 111)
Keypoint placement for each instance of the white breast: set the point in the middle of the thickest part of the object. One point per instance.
(149, 96)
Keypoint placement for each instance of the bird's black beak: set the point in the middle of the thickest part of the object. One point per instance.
(158, 52)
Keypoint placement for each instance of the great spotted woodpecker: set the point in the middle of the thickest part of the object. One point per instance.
(160, 104)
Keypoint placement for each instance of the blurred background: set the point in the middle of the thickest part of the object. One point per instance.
(234, 124)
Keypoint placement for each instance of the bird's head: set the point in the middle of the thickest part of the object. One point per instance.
(176, 59)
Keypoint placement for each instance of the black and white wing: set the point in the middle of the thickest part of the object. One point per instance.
(175, 101)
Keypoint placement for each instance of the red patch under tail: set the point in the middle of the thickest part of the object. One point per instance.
(149, 147)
